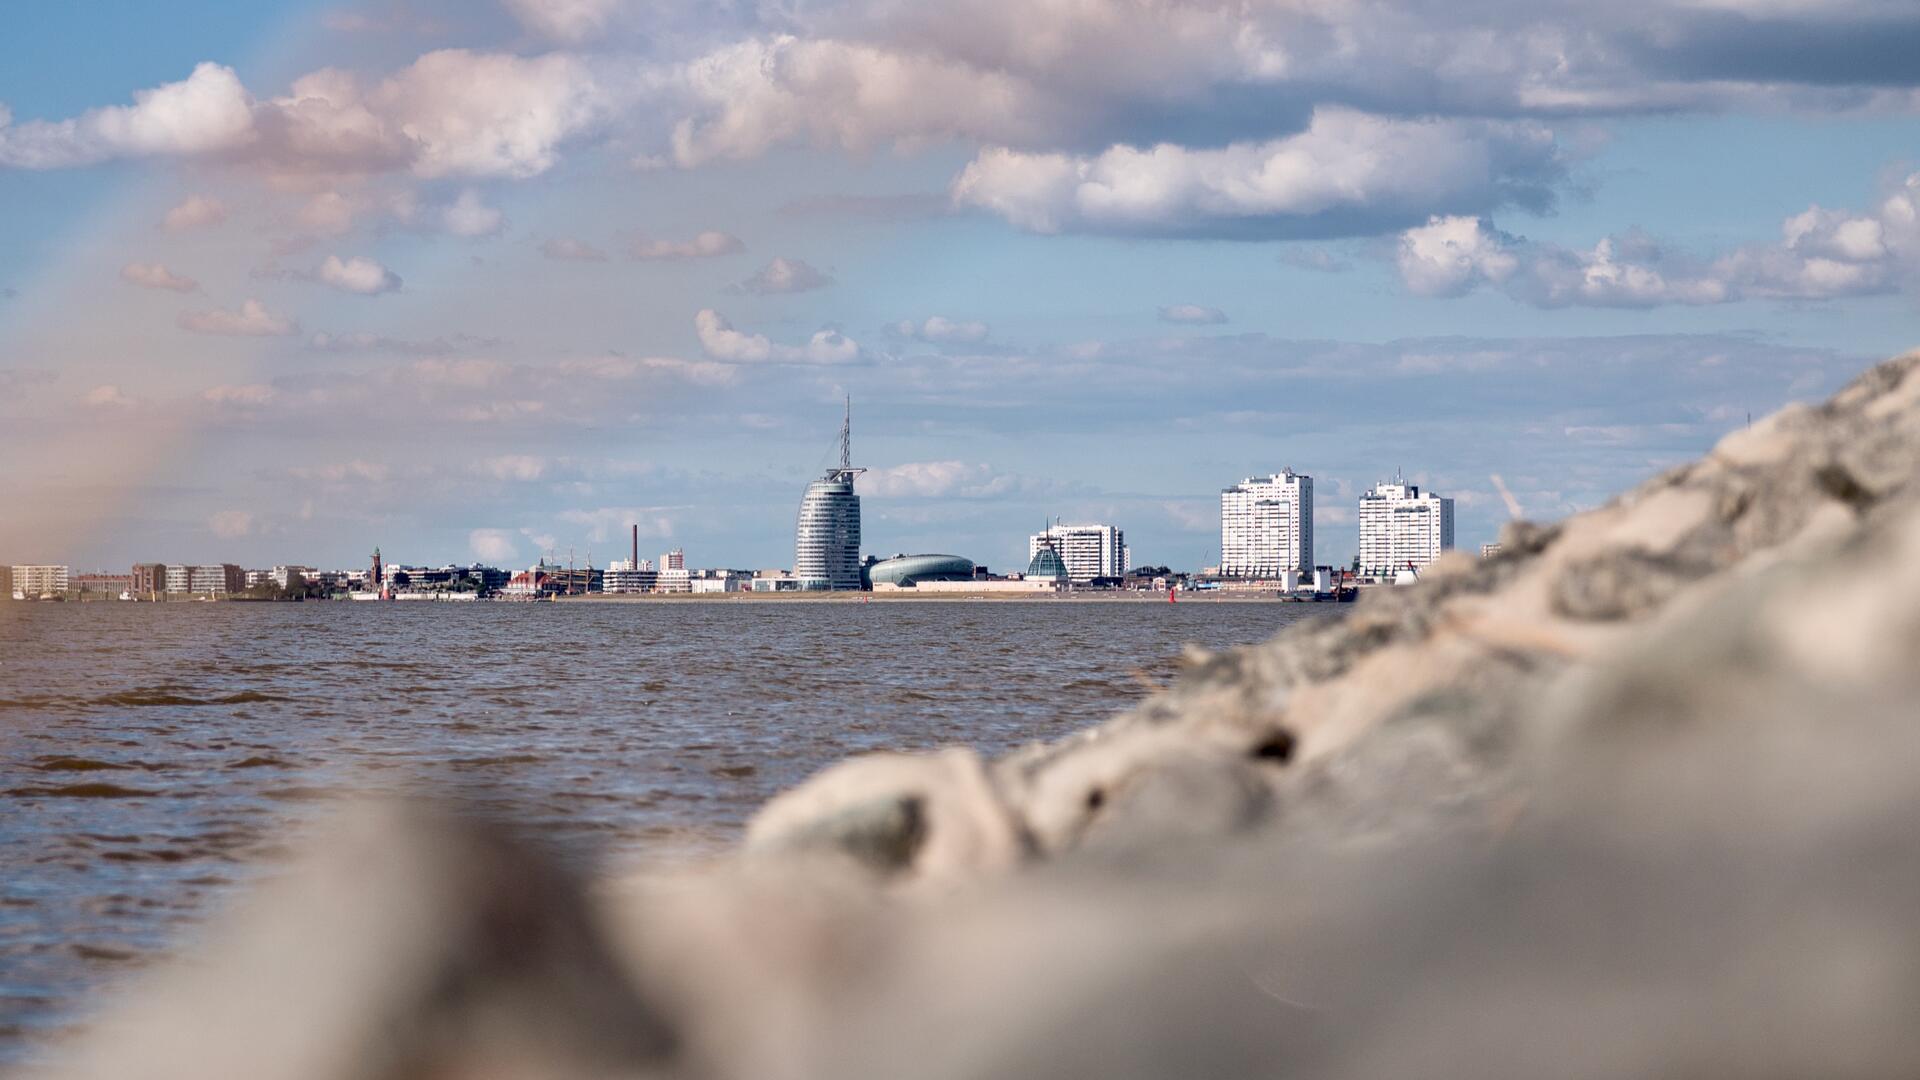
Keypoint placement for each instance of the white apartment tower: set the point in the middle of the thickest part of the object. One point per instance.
(1402, 525)
(1088, 551)
(1266, 526)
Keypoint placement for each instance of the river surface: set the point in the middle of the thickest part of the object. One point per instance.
(152, 757)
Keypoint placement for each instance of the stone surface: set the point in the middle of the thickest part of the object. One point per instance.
(1635, 797)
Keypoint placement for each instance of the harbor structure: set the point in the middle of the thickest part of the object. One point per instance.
(1086, 551)
(1266, 526)
(826, 550)
(1402, 528)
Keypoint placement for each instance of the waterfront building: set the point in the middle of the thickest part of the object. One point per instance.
(208, 580)
(629, 576)
(775, 581)
(1046, 566)
(1488, 551)
(287, 577)
(33, 582)
(528, 583)
(1402, 527)
(1266, 526)
(149, 580)
(720, 581)
(1087, 551)
(674, 576)
(907, 571)
(102, 584)
(826, 550)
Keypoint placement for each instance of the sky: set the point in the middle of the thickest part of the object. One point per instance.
(492, 279)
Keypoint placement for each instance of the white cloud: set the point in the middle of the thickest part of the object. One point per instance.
(359, 275)
(107, 397)
(1448, 256)
(493, 545)
(942, 330)
(328, 213)
(252, 320)
(248, 395)
(1192, 313)
(207, 111)
(194, 212)
(156, 276)
(724, 343)
(936, 479)
(231, 524)
(570, 250)
(471, 217)
(521, 467)
(1822, 254)
(571, 22)
(452, 112)
(784, 275)
(1348, 172)
(614, 522)
(705, 245)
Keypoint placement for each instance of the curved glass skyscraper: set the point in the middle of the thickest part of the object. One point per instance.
(826, 548)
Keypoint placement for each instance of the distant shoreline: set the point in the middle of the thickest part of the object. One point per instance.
(908, 596)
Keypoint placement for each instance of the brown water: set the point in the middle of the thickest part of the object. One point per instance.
(151, 756)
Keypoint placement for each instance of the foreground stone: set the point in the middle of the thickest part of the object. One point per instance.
(1637, 798)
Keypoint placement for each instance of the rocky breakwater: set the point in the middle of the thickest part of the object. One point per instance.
(1638, 797)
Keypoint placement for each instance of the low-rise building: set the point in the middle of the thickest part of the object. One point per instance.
(1488, 551)
(625, 576)
(103, 584)
(720, 581)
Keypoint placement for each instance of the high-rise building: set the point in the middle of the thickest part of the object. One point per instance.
(1402, 526)
(1266, 526)
(826, 548)
(1087, 551)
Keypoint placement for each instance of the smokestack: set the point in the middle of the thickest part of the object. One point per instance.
(635, 564)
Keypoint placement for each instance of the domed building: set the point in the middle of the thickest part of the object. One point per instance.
(907, 571)
(1047, 565)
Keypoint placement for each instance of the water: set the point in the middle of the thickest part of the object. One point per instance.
(152, 756)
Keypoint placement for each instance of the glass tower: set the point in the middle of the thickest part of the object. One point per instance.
(826, 550)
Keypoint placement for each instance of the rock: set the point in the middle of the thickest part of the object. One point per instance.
(404, 942)
(927, 817)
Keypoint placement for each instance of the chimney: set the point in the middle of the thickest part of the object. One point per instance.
(635, 564)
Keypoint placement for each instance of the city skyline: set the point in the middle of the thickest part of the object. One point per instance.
(484, 280)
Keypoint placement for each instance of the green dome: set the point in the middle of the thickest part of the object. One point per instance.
(1046, 564)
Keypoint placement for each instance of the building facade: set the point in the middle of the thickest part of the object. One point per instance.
(1266, 526)
(33, 582)
(826, 546)
(1087, 551)
(629, 576)
(102, 584)
(1402, 527)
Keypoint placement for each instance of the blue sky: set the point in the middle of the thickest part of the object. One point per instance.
(282, 282)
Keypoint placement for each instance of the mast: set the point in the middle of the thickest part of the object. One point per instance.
(846, 438)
